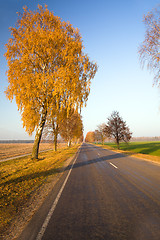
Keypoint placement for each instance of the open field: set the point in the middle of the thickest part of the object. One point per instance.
(151, 148)
(8, 150)
(22, 178)
(147, 150)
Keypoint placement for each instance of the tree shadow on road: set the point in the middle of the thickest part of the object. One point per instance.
(96, 160)
(53, 171)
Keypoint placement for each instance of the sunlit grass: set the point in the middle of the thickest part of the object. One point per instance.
(151, 148)
(20, 178)
(145, 150)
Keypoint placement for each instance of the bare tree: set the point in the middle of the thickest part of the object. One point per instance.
(117, 129)
(149, 50)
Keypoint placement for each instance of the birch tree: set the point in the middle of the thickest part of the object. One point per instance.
(46, 66)
(52, 126)
(71, 127)
(90, 137)
(149, 50)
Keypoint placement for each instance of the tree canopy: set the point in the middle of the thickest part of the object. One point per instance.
(90, 137)
(47, 68)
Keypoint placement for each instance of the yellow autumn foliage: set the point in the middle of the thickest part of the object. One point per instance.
(46, 65)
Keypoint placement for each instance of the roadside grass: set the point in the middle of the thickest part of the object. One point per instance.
(20, 178)
(151, 148)
(147, 150)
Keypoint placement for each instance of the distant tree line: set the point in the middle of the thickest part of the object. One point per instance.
(115, 129)
(147, 139)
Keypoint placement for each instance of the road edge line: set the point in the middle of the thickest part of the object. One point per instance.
(46, 221)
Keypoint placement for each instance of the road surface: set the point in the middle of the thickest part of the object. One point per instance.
(103, 195)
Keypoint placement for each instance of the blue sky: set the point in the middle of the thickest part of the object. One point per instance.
(112, 32)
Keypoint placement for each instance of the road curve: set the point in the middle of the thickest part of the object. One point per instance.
(106, 195)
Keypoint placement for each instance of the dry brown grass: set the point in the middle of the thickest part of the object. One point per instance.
(8, 150)
(24, 185)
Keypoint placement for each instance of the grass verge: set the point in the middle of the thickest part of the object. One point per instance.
(146, 150)
(21, 178)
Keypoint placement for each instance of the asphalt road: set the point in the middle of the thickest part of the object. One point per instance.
(104, 195)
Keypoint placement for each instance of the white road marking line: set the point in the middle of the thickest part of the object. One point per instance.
(45, 224)
(113, 165)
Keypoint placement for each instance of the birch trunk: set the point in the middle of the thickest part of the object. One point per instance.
(69, 143)
(38, 136)
(55, 140)
(55, 127)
